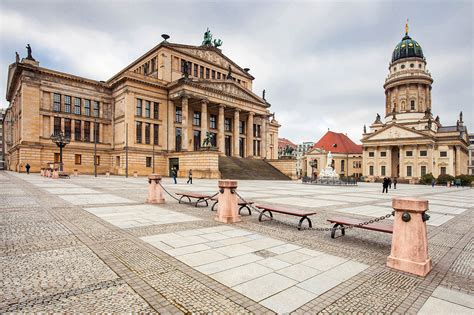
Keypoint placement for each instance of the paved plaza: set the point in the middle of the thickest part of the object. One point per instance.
(90, 244)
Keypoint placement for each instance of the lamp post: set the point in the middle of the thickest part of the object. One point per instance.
(61, 141)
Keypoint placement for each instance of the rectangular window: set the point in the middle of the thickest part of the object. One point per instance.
(67, 127)
(423, 153)
(201, 72)
(96, 109)
(371, 170)
(196, 70)
(117, 161)
(139, 107)
(383, 153)
(382, 170)
(443, 170)
(412, 104)
(213, 122)
(183, 62)
(207, 73)
(156, 110)
(256, 147)
(147, 109)
(148, 161)
(147, 133)
(218, 75)
(197, 119)
(57, 102)
(155, 133)
(409, 153)
(57, 125)
(196, 140)
(67, 104)
(97, 160)
(343, 166)
(241, 127)
(443, 153)
(409, 171)
(371, 154)
(77, 159)
(179, 115)
(97, 132)
(227, 124)
(423, 170)
(87, 131)
(178, 139)
(213, 74)
(87, 107)
(138, 132)
(256, 130)
(77, 130)
(77, 106)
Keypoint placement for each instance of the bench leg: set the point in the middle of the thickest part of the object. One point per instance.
(301, 222)
(246, 207)
(181, 198)
(262, 213)
(213, 208)
(334, 229)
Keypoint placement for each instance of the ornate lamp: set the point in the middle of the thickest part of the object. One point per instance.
(61, 141)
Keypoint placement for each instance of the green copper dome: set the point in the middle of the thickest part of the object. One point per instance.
(407, 48)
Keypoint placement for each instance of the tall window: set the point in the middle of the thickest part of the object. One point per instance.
(241, 127)
(213, 122)
(138, 132)
(382, 170)
(178, 139)
(147, 133)
(218, 75)
(139, 107)
(153, 65)
(227, 124)
(67, 104)
(343, 166)
(67, 127)
(196, 70)
(87, 107)
(201, 72)
(57, 102)
(77, 159)
(147, 109)
(87, 131)
(96, 109)
(77, 130)
(423, 170)
(371, 170)
(96, 133)
(156, 110)
(197, 119)
(443, 170)
(179, 115)
(77, 106)
(412, 104)
(197, 140)
(207, 73)
(409, 171)
(148, 161)
(155, 133)
(214, 139)
(57, 125)
(256, 130)
(213, 74)
(256, 147)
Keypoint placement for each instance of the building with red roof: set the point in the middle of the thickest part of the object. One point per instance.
(338, 143)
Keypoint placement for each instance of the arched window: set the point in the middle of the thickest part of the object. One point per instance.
(412, 104)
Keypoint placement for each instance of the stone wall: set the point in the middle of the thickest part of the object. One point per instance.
(287, 167)
(204, 164)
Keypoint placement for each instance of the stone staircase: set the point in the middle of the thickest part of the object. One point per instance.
(238, 168)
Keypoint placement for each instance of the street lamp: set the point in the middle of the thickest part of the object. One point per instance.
(61, 141)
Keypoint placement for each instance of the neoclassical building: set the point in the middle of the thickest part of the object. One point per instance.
(154, 114)
(409, 142)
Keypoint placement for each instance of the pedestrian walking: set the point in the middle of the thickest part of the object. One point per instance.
(174, 173)
(385, 185)
(433, 182)
(27, 168)
(190, 177)
(390, 182)
(395, 181)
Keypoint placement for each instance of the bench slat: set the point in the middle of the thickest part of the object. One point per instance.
(298, 213)
(372, 226)
(192, 195)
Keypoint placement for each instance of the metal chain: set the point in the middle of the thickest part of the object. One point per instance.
(318, 228)
(185, 202)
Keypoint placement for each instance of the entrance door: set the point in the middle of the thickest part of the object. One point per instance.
(173, 162)
(228, 145)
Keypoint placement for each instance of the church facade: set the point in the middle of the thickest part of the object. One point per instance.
(409, 142)
(153, 115)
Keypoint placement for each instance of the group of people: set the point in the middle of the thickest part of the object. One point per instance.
(387, 183)
(174, 174)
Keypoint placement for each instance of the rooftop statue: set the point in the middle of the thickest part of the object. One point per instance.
(17, 57)
(460, 117)
(207, 38)
(186, 70)
(28, 50)
(229, 74)
(263, 94)
(217, 43)
(365, 129)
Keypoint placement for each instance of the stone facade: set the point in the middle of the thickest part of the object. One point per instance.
(471, 154)
(2, 155)
(148, 116)
(410, 142)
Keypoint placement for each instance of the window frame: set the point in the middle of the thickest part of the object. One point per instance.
(56, 102)
(67, 104)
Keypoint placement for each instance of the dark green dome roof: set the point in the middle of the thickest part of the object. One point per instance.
(407, 48)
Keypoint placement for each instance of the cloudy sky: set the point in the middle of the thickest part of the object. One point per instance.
(322, 63)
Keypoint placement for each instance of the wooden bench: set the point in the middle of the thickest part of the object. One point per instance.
(242, 204)
(63, 175)
(297, 213)
(199, 198)
(341, 221)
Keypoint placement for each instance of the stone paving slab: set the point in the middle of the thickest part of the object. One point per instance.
(95, 199)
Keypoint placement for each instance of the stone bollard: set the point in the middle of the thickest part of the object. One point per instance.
(42, 172)
(107, 174)
(75, 172)
(135, 174)
(409, 240)
(227, 208)
(55, 173)
(48, 172)
(156, 194)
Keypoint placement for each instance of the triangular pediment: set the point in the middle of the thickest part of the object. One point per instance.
(395, 132)
(230, 88)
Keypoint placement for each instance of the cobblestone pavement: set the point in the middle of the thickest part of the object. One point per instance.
(91, 245)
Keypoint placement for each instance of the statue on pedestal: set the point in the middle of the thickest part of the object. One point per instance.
(28, 50)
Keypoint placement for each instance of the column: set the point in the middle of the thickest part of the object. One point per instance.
(220, 129)
(430, 159)
(204, 120)
(377, 164)
(185, 122)
(92, 130)
(263, 137)
(458, 161)
(171, 145)
(235, 134)
(73, 130)
(51, 127)
(249, 137)
(389, 161)
(415, 170)
(400, 161)
(62, 125)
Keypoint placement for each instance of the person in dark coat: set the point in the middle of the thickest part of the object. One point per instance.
(174, 173)
(190, 177)
(390, 182)
(395, 181)
(385, 185)
(27, 168)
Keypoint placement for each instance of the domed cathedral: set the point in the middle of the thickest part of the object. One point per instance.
(410, 142)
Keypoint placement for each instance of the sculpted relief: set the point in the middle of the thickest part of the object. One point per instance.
(395, 133)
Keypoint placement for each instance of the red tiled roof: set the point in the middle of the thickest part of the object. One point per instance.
(338, 143)
(283, 142)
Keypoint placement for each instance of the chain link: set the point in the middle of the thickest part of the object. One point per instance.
(186, 202)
